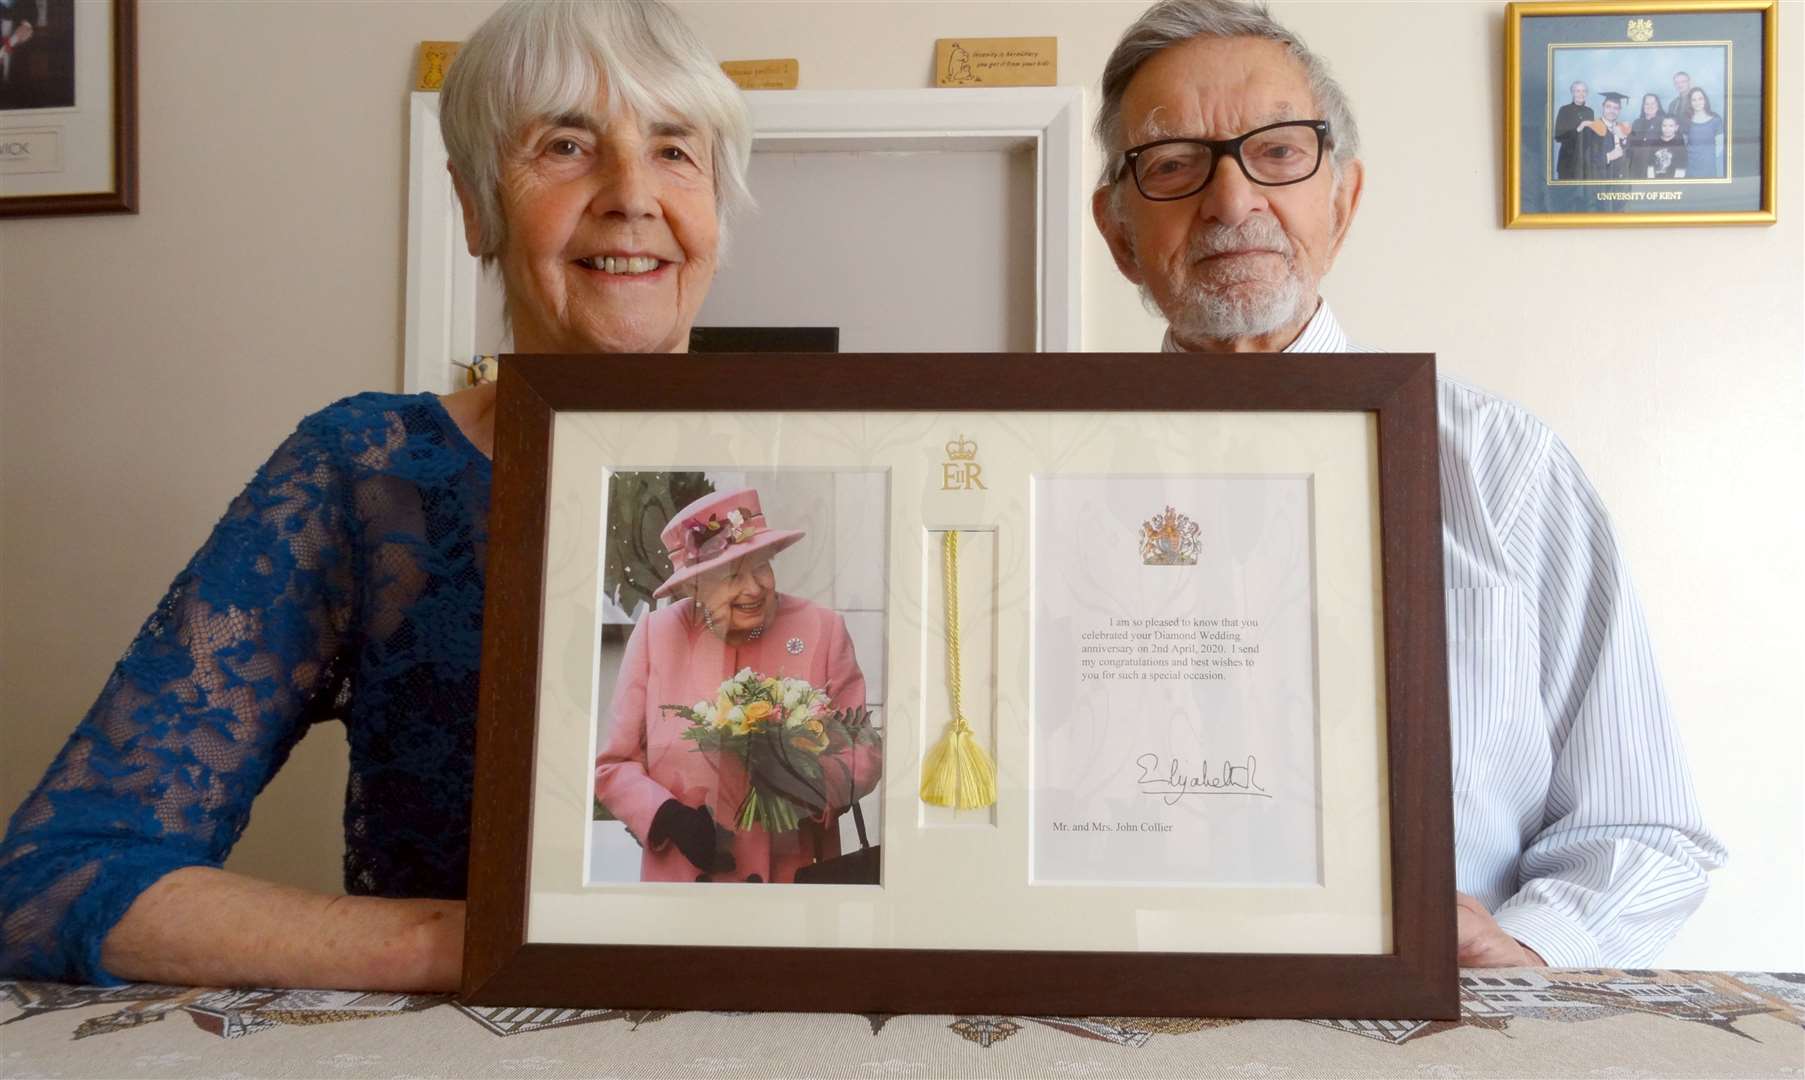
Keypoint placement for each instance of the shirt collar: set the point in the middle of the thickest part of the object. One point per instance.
(1322, 334)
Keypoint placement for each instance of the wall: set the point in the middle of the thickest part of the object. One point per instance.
(148, 363)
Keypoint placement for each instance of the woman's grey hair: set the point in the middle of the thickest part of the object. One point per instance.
(534, 59)
(1174, 22)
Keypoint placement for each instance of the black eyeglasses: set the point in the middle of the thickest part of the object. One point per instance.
(1288, 152)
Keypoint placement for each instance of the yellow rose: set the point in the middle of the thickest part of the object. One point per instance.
(758, 712)
(812, 737)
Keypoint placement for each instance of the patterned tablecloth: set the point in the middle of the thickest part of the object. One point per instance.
(1601, 1023)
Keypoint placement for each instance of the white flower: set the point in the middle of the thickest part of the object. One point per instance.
(736, 715)
(792, 696)
(735, 518)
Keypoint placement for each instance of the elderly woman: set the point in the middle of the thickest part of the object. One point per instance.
(681, 803)
(597, 149)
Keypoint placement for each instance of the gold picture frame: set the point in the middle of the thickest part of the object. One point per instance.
(1626, 164)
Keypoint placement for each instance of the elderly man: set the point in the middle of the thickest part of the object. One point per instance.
(1232, 176)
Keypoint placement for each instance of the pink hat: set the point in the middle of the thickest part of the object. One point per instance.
(715, 530)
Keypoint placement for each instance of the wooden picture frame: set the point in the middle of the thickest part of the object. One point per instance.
(722, 339)
(70, 144)
(1640, 159)
(1387, 400)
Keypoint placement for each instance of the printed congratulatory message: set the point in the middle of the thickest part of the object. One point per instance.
(1181, 648)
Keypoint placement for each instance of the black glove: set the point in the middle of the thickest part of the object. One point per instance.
(693, 830)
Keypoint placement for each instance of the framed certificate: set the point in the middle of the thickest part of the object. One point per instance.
(1179, 618)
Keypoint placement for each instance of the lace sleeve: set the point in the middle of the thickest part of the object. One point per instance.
(221, 682)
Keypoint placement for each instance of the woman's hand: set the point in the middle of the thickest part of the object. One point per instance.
(693, 830)
(198, 926)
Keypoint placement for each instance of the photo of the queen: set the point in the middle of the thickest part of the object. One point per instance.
(739, 729)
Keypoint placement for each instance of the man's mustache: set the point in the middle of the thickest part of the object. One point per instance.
(1255, 234)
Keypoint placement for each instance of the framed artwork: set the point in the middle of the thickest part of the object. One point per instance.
(68, 107)
(764, 339)
(931, 683)
(1659, 113)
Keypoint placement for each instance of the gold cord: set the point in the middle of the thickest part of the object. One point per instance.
(956, 772)
(950, 550)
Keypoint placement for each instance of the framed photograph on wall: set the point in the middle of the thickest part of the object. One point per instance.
(1623, 113)
(1190, 609)
(68, 107)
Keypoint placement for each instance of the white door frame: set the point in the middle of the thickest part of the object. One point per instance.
(442, 276)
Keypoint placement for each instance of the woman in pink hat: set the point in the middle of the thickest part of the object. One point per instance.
(680, 803)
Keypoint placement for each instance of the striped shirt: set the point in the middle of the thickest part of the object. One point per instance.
(1575, 821)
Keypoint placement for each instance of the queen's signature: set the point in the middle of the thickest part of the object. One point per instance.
(1167, 778)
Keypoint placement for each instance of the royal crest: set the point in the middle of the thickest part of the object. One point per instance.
(961, 471)
(1641, 29)
(1170, 539)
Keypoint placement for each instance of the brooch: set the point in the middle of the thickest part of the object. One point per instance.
(793, 646)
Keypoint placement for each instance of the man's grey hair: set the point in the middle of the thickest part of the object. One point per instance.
(533, 60)
(1174, 22)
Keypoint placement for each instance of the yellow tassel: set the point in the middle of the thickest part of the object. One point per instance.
(958, 773)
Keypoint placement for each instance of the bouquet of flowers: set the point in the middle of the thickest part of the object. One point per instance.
(778, 728)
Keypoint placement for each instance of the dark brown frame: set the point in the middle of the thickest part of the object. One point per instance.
(1419, 979)
(123, 198)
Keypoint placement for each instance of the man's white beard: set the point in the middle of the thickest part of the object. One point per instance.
(1232, 304)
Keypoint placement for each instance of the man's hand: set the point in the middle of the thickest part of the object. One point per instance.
(1483, 943)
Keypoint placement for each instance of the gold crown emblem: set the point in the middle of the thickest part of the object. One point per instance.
(1641, 29)
(963, 450)
(1170, 539)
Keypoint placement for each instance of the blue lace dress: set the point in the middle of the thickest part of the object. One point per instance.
(345, 583)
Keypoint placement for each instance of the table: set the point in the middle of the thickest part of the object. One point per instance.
(1517, 1022)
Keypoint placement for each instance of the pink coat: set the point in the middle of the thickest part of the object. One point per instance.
(672, 660)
